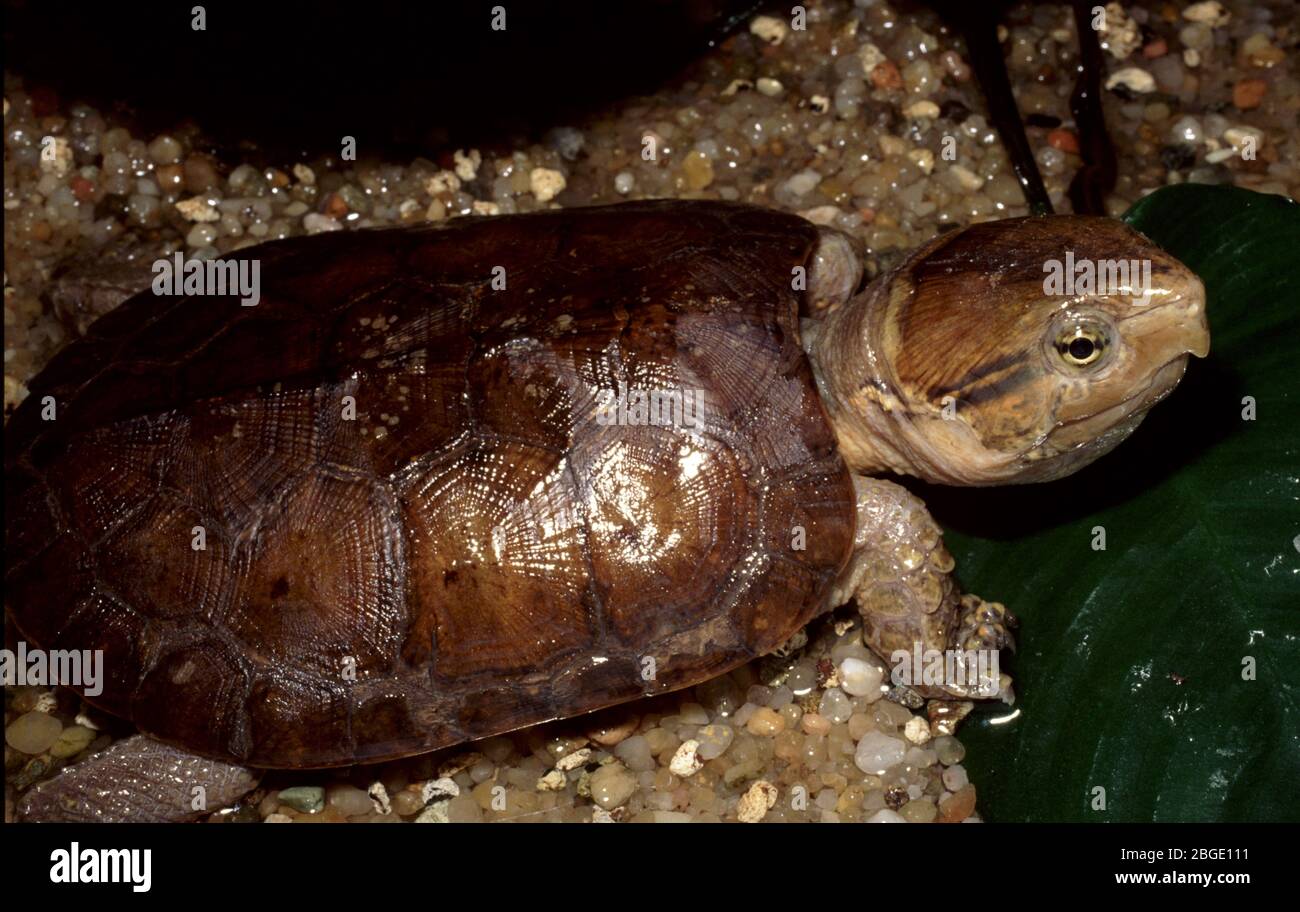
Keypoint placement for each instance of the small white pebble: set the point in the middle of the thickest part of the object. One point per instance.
(485, 207)
(686, 761)
(877, 752)
(466, 165)
(820, 103)
(278, 818)
(1134, 79)
(624, 181)
(442, 182)
(922, 109)
(379, 795)
(553, 781)
(756, 802)
(1209, 12)
(770, 87)
(546, 183)
(197, 209)
(439, 788)
(885, 815)
(917, 730)
(304, 174)
(769, 28)
(574, 760)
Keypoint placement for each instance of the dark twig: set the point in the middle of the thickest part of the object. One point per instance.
(1094, 181)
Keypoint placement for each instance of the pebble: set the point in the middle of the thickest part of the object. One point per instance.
(435, 813)
(545, 183)
(765, 722)
(756, 802)
(1135, 79)
(309, 799)
(553, 781)
(686, 761)
(698, 171)
(949, 749)
(71, 741)
(955, 778)
(858, 677)
(835, 706)
(802, 183)
(1248, 94)
(1211, 12)
(922, 109)
(769, 86)
(33, 732)
(1064, 139)
(379, 797)
(958, 806)
(348, 800)
(197, 209)
(917, 730)
(574, 760)
(885, 815)
(714, 740)
(635, 752)
(444, 787)
(315, 223)
(769, 28)
(877, 752)
(1186, 130)
(966, 178)
(612, 785)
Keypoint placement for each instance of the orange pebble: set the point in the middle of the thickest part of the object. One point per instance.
(1249, 93)
(1063, 139)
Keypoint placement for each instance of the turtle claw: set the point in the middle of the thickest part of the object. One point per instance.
(985, 625)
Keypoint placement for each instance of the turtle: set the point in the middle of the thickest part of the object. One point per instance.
(440, 483)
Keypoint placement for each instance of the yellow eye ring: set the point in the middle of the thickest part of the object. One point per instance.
(1081, 346)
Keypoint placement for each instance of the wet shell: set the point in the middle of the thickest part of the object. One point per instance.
(416, 529)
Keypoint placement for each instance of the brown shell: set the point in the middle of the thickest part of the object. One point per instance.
(474, 552)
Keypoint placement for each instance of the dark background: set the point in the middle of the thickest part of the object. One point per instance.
(403, 77)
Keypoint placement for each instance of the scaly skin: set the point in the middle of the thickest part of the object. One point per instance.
(137, 780)
(901, 578)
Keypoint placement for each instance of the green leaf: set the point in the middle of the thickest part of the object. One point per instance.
(1130, 665)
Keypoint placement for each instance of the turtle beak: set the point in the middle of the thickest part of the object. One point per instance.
(1176, 324)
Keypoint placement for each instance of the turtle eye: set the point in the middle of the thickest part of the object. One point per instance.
(1081, 345)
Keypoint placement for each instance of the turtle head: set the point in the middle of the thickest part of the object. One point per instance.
(1011, 351)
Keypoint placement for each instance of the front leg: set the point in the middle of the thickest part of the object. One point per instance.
(901, 578)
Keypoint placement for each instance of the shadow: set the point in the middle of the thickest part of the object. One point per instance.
(404, 79)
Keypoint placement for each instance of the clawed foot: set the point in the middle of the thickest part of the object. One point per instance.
(983, 630)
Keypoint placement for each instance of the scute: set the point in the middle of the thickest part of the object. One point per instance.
(414, 528)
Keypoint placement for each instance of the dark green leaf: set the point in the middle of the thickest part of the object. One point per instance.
(1130, 668)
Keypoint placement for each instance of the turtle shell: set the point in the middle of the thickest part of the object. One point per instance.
(389, 508)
